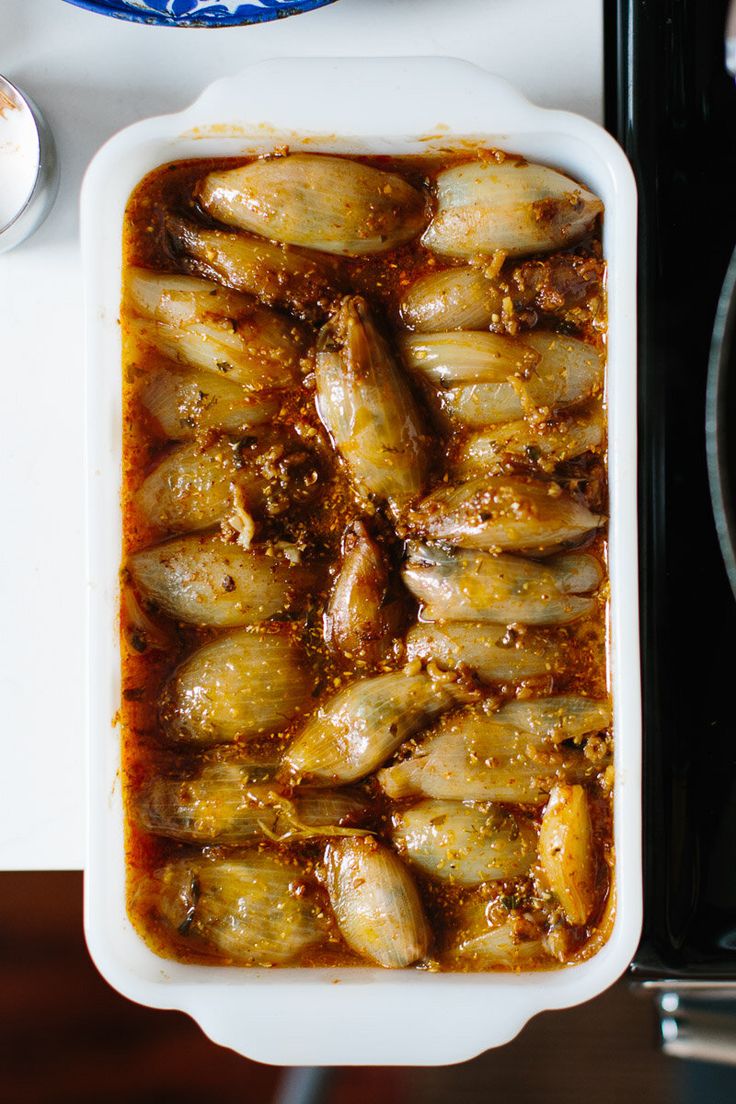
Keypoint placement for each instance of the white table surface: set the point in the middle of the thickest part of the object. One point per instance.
(91, 76)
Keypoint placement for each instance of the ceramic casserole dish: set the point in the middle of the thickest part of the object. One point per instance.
(388, 106)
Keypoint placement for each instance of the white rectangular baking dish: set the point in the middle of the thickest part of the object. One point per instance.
(372, 106)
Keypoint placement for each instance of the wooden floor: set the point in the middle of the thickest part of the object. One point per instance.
(67, 1037)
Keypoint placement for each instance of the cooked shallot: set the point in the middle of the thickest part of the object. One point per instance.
(487, 205)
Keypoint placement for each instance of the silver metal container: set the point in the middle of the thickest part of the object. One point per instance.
(36, 204)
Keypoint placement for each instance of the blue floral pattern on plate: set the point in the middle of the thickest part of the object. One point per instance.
(199, 13)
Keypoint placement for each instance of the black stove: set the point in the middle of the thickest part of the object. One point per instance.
(672, 105)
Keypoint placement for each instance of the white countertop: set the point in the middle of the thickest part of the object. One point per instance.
(91, 76)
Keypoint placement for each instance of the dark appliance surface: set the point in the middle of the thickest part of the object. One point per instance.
(720, 421)
(671, 104)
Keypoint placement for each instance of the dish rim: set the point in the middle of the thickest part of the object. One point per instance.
(313, 1016)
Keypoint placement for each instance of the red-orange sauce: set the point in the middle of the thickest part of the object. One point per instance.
(150, 655)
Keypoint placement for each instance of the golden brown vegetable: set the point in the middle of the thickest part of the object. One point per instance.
(546, 443)
(355, 731)
(492, 652)
(185, 402)
(246, 910)
(487, 205)
(205, 581)
(375, 902)
(464, 843)
(509, 755)
(484, 943)
(472, 585)
(214, 329)
(470, 356)
(566, 851)
(366, 404)
(280, 276)
(224, 805)
(243, 684)
(487, 378)
(361, 620)
(195, 486)
(326, 203)
(462, 298)
(557, 718)
(502, 513)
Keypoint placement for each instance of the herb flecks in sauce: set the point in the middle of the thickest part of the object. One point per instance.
(332, 539)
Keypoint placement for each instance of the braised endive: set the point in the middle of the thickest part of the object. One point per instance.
(462, 298)
(542, 442)
(566, 851)
(469, 356)
(485, 943)
(487, 378)
(361, 619)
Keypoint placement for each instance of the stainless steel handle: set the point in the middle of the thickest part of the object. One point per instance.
(699, 1024)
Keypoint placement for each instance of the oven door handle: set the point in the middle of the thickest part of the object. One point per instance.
(699, 1025)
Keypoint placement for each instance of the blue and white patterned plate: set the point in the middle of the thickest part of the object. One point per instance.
(199, 13)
